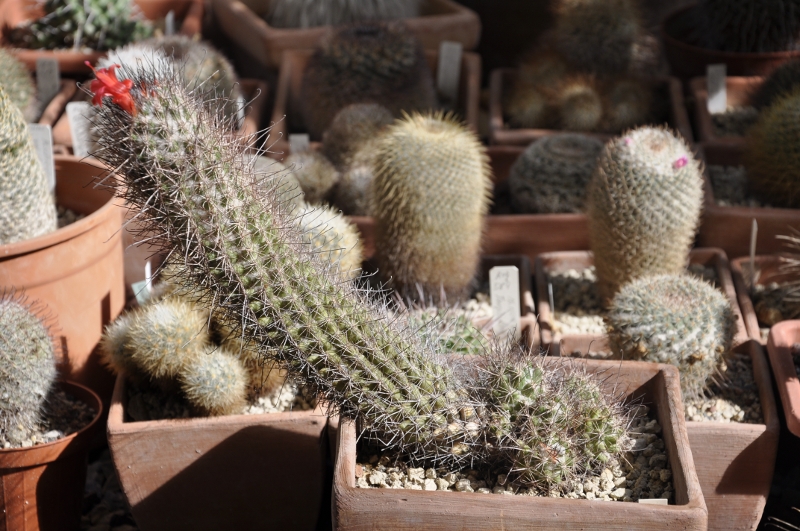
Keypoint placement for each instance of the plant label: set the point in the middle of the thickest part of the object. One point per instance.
(169, 23)
(42, 137)
(241, 111)
(48, 79)
(655, 501)
(717, 91)
(504, 292)
(142, 289)
(299, 142)
(448, 72)
(80, 114)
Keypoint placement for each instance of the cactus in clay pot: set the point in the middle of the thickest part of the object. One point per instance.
(429, 198)
(643, 203)
(27, 208)
(365, 363)
(552, 174)
(747, 26)
(370, 63)
(18, 84)
(27, 368)
(312, 13)
(676, 319)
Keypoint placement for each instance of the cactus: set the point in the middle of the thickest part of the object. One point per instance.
(552, 174)
(529, 103)
(628, 102)
(643, 203)
(579, 105)
(27, 368)
(429, 197)
(747, 26)
(272, 176)
(312, 13)
(676, 319)
(27, 208)
(315, 173)
(215, 382)
(781, 82)
(771, 156)
(371, 63)
(352, 193)
(18, 84)
(333, 237)
(82, 24)
(194, 190)
(353, 126)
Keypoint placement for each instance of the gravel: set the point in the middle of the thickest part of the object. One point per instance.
(63, 415)
(642, 473)
(67, 216)
(105, 507)
(735, 121)
(731, 188)
(284, 398)
(733, 397)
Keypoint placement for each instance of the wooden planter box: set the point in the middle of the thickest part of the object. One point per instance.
(398, 509)
(768, 268)
(557, 344)
(501, 133)
(287, 115)
(441, 20)
(729, 227)
(242, 472)
(739, 91)
(15, 12)
(782, 339)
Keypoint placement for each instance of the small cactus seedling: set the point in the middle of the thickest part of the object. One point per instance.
(312, 13)
(18, 84)
(676, 319)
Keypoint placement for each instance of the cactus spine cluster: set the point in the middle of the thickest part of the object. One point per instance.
(194, 189)
(643, 203)
(748, 26)
(331, 235)
(18, 84)
(676, 319)
(429, 198)
(370, 63)
(311, 13)
(27, 208)
(27, 368)
(552, 174)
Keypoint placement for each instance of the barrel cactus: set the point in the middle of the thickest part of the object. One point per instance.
(747, 26)
(18, 84)
(552, 174)
(643, 203)
(27, 208)
(676, 319)
(312, 13)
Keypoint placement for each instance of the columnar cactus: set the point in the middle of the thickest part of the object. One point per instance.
(429, 198)
(748, 26)
(27, 368)
(27, 208)
(18, 84)
(311, 13)
(643, 204)
(370, 63)
(676, 319)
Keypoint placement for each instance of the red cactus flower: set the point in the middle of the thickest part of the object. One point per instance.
(107, 84)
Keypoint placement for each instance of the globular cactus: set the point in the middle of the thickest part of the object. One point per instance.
(18, 84)
(530, 103)
(628, 102)
(578, 103)
(358, 357)
(352, 193)
(771, 155)
(27, 368)
(314, 172)
(747, 26)
(781, 82)
(552, 174)
(27, 208)
(273, 177)
(429, 198)
(643, 203)
(353, 126)
(676, 319)
(370, 63)
(335, 239)
(312, 13)
(215, 382)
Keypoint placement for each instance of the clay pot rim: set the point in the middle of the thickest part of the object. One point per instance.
(786, 377)
(691, 48)
(70, 231)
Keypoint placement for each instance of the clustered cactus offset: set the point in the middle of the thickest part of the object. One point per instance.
(311, 13)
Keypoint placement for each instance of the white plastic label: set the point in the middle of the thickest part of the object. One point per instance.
(717, 91)
(504, 288)
(42, 137)
(448, 72)
(48, 79)
(240, 113)
(79, 114)
(169, 23)
(299, 142)
(143, 288)
(654, 501)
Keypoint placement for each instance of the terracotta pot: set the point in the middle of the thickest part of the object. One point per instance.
(238, 472)
(393, 509)
(53, 110)
(501, 133)
(41, 487)
(687, 61)
(729, 227)
(287, 113)
(563, 345)
(739, 92)
(768, 269)
(15, 12)
(441, 20)
(782, 339)
(75, 271)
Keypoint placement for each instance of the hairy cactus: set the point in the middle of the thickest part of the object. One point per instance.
(352, 193)
(27, 368)
(193, 186)
(333, 237)
(748, 26)
(771, 156)
(215, 382)
(353, 126)
(18, 84)
(676, 319)
(643, 203)
(27, 208)
(628, 102)
(314, 172)
(80, 24)
(552, 174)
(311, 13)
(580, 107)
(429, 197)
(530, 103)
(781, 82)
(371, 63)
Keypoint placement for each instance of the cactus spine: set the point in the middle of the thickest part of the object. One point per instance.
(311, 13)
(643, 204)
(335, 238)
(27, 209)
(18, 84)
(748, 26)
(353, 126)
